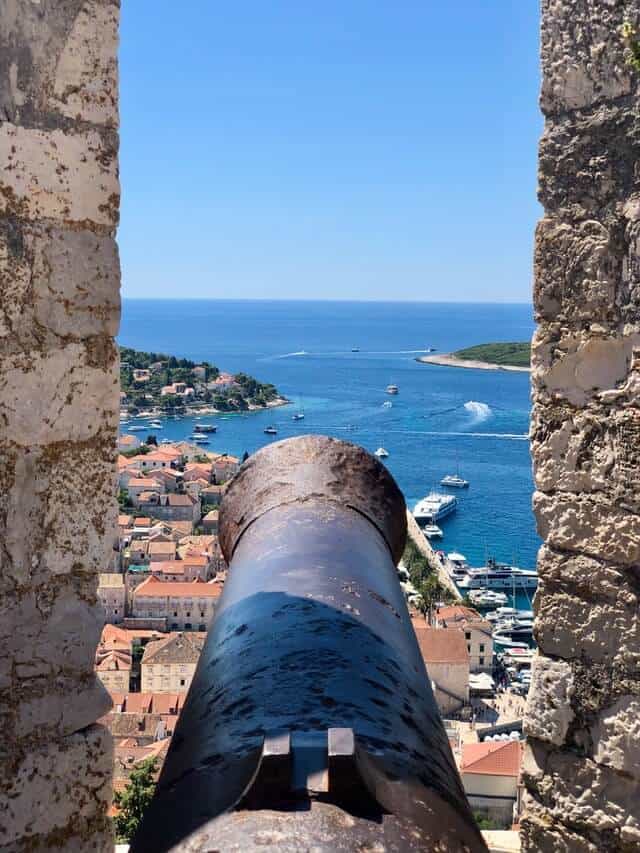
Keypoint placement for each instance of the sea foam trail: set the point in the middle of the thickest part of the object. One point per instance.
(480, 411)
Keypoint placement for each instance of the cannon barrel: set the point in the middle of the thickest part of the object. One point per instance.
(310, 723)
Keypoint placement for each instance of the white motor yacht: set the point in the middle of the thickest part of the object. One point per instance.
(487, 597)
(432, 531)
(381, 453)
(496, 576)
(392, 389)
(454, 481)
(434, 507)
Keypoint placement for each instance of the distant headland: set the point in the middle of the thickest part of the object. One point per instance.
(496, 356)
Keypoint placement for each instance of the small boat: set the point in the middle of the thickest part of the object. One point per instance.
(205, 428)
(392, 389)
(381, 453)
(355, 349)
(137, 428)
(270, 430)
(432, 531)
(487, 597)
(200, 439)
(430, 349)
(387, 404)
(165, 441)
(454, 481)
(299, 416)
(156, 424)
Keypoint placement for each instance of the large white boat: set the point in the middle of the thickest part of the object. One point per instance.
(432, 531)
(434, 507)
(498, 576)
(454, 481)
(487, 597)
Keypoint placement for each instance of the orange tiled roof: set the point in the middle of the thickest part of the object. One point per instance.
(492, 759)
(442, 645)
(198, 589)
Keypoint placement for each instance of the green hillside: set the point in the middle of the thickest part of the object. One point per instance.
(507, 354)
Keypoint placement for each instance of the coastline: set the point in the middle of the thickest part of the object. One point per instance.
(204, 409)
(449, 360)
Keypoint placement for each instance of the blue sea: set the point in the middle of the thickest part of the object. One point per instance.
(442, 420)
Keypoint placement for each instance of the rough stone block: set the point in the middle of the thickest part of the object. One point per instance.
(68, 177)
(86, 76)
(588, 798)
(590, 526)
(583, 53)
(49, 526)
(587, 166)
(615, 736)
(577, 366)
(62, 784)
(43, 394)
(46, 710)
(540, 833)
(577, 272)
(49, 633)
(58, 281)
(549, 711)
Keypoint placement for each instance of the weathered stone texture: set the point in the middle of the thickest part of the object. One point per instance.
(581, 768)
(59, 289)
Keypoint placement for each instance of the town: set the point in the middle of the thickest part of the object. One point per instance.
(160, 593)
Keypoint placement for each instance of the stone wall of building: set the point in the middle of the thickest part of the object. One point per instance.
(59, 311)
(582, 767)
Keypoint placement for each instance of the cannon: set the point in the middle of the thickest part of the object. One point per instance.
(310, 723)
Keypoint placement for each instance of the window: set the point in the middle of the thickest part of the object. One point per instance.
(467, 635)
(468, 648)
(182, 682)
(188, 613)
(481, 661)
(201, 614)
(175, 612)
(187, 626)
(202, 627)
(481, 647)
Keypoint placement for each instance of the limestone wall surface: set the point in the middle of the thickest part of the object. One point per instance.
(59, 312)
(582, 765)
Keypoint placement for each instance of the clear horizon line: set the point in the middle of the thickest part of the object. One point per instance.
(299, 299)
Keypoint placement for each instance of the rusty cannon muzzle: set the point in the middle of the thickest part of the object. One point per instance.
(310, 723)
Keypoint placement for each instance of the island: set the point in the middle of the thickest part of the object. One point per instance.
(156, 382)
(495, 356)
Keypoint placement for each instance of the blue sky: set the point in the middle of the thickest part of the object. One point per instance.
(343, 149)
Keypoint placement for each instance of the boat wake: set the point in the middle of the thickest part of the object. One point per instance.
(479, 411)
(292, 354)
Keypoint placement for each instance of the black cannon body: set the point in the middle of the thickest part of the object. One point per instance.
(310, 723)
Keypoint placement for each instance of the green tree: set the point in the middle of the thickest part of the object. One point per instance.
(134, 800)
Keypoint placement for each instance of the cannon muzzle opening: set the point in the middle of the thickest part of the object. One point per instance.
(310, 722)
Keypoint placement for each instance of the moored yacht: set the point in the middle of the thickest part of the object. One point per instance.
(487, 597)
(205, 428)
(270, 430)
(434, 507)
(498, 577)
(432, 531)
(381, 453)
(392, 389)
(454, 481)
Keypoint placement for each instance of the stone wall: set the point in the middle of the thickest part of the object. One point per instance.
(582, 767)
(59, 274)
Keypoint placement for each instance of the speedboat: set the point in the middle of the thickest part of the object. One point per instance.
(205, 428)
(155, 424)
(355, 349)
(199, 438)
(270, 430)
(434, 507)
(432, 531)
(137, 429)
(381, 453)
(392, 389)
(454, 481)
(299, 416)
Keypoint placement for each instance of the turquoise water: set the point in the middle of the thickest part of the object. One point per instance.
(442, 418)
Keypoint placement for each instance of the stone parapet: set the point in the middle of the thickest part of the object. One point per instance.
(580, 770)
(59, 400)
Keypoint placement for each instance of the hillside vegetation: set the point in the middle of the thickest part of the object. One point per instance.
(517, 354)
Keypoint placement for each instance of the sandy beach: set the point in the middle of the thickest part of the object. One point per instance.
(448, 360)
